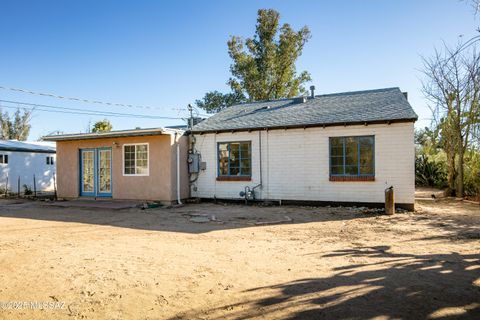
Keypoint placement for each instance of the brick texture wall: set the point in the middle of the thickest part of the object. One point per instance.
(295, 165)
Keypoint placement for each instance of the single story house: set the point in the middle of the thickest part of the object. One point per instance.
(139, 164)
(24, 162)
(342, 148)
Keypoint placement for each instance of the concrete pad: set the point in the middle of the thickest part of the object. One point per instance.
(91, 203)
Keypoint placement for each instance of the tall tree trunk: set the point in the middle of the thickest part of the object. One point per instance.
(451, 174)
(460, 184)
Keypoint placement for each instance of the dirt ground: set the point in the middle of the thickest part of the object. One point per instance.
(327, 263)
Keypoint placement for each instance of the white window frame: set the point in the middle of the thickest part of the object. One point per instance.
(148, 159)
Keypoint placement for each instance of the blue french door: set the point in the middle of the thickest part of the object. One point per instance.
(96, 172)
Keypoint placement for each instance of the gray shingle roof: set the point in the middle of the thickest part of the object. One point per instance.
(27, 146)
(379, 105)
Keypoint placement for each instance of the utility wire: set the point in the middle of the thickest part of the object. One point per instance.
(57, 109)
(50, 95)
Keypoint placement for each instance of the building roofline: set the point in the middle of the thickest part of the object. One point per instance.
(345, 93)
(26, 146)
(305, 126)
(113, 134)
(29, 150)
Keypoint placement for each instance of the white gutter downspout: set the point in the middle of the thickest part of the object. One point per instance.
(179, 201)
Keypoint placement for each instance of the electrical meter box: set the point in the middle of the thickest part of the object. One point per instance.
(193, 162)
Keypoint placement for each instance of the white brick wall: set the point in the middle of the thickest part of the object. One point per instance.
(295, 165)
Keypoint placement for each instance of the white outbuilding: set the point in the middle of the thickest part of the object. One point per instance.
(23, 162)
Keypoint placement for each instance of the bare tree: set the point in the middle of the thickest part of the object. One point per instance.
(452, 85)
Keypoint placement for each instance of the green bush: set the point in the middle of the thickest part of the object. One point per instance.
(472, 173)
(430, 173)
(27, 190)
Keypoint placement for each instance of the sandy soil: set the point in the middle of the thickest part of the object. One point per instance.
(328, 263)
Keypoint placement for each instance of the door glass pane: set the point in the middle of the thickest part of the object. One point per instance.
(104, 166)
(87, 171)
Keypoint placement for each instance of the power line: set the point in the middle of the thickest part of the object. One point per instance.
(51, 95)
(57, 109)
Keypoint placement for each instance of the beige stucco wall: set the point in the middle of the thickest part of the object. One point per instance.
(159, 185)
(295, 165)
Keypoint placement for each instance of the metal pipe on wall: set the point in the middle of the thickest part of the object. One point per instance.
(179, 201)
(260, 154)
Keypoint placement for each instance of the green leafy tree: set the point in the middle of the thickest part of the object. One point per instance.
(215, 101)
(16, 127)
(263, 67)
(102, 126)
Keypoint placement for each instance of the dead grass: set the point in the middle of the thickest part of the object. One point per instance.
(328, 263)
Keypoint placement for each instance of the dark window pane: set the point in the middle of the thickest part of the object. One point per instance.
(234, 156)
(351, 151)
(223, 167)
(223, 158)
(5, 160)
(336, 155)
(337, 161)
(366, 170)
(351, 170)
(366, 155)
(234, 171)
(366, 141)
(245, 163)
(336, 152)
(246, 171)
(245, 150)
(336, 142)
(336, 170)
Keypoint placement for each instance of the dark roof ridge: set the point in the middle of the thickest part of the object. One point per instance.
(318, 95)
(348, 93)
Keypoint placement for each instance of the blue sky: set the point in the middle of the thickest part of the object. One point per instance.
(167, 54)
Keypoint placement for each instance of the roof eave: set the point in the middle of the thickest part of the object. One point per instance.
(27, 150)
(113, 134)
(305, 126)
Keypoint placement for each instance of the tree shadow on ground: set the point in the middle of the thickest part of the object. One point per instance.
(231, 216)
(395, 286)
(455, 219)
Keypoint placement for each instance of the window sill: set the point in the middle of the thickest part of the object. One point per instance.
(352, 178)
(234, 178)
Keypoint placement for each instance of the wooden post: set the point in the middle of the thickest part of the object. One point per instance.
(54, 188)
(34, 187)
(389, 201)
